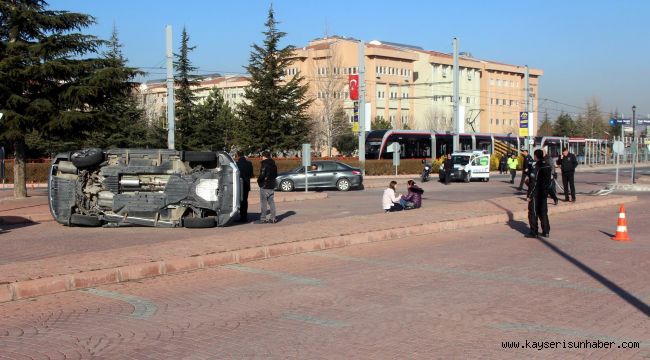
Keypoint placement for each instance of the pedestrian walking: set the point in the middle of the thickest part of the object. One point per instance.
(390, 201)
(568, 164)
(245, 174)
(513, 162)
(503, 164)
(539, 182)
(413, 198)
(448, 167)
(526, 168)
(266, 181)
(552, 189)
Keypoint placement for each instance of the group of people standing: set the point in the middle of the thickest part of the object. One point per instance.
(266, 182)
(539, 173)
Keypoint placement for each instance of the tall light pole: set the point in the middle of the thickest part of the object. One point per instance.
(457, 120)
(634, 145)
(362, 107)
(171, 101)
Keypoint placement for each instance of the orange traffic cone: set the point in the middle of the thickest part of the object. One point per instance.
(621, 227)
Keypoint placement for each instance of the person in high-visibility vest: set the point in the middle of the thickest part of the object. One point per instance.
(513, 162)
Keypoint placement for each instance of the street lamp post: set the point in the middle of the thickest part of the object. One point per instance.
(635, 147)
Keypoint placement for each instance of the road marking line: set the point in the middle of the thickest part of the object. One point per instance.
(143, 308)
(279, 275)
(562, 331)
(315, 321)
(467, 273)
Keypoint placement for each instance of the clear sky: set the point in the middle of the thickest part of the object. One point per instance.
(586, 48)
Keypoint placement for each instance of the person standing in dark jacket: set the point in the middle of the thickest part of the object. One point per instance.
(503, 164)
(568, 164)
(448, 168)
(266, 181)
(526, 169)
(552, 191)
(539, 182)
(245, 173)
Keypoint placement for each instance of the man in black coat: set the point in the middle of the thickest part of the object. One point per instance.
(568, 164)
(526, 169)
(266, 181)
(448, 168)
(538, 184)
(245, 173)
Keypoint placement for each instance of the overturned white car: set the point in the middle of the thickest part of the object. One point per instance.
(163, 188)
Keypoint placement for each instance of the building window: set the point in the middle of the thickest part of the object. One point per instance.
(497, 121)
(467, 100)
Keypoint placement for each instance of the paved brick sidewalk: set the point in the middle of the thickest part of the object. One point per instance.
(452, 295)
(208, 248)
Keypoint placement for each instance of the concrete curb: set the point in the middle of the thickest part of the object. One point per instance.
(55, 284)
(630, 187)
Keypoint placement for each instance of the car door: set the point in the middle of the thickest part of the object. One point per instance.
(298, 178)
(481, 166)
(327, 173)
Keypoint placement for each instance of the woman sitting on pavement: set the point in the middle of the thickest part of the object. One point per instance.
(413, 199)
(389, 201)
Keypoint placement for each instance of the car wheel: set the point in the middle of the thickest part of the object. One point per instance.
(343, 184)
(199, 156)
(84, 220)
(286, 185)
(199, 223)
(87, 157)
(467, 177)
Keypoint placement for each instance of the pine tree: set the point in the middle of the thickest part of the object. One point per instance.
(127, 127)
(381, 124)
(185, 97)
(49, 80)
(215, 124)
(564, 125)
(545, 128)
(273, 116)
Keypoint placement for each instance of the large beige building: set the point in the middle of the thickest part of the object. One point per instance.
(153, 94)
(406, 85)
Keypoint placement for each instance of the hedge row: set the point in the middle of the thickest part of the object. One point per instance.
(38, 172)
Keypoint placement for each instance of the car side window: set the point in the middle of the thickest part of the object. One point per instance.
(328, 167)
(342, 167)
(484, 161)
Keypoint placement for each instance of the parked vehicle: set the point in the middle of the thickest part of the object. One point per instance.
(321, 174)
(469, 166)
(425, 171)
(163, 188)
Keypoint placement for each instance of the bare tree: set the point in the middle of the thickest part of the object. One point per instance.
(330, 120)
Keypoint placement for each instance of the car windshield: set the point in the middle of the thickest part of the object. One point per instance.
(460, 159)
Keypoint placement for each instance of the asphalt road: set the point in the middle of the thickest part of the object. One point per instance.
(461, 294)
(50, 239)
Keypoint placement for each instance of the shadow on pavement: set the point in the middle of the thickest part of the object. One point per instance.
(516, 225)
(607, 234)
(14, 222)
(629, 298)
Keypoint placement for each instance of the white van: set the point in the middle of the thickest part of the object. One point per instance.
(469, 165)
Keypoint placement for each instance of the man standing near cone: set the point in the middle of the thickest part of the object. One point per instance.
(538, 185)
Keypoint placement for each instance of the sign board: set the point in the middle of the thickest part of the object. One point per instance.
(618, 148)
(353, 83)
(523, 123)
(355, 127)
(396, 152)
(306, 154)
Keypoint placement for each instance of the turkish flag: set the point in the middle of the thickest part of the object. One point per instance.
(353, 82)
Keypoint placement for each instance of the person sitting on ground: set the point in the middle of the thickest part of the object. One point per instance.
(389, 201)
(413, 199)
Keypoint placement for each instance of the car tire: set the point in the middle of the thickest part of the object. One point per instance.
(467, 177)
(87, 157)
(199, 223)
(343, 184)
(199, 156)
(84, 220)
(286, 185)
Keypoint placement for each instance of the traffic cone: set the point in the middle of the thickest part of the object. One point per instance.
(621, 226)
